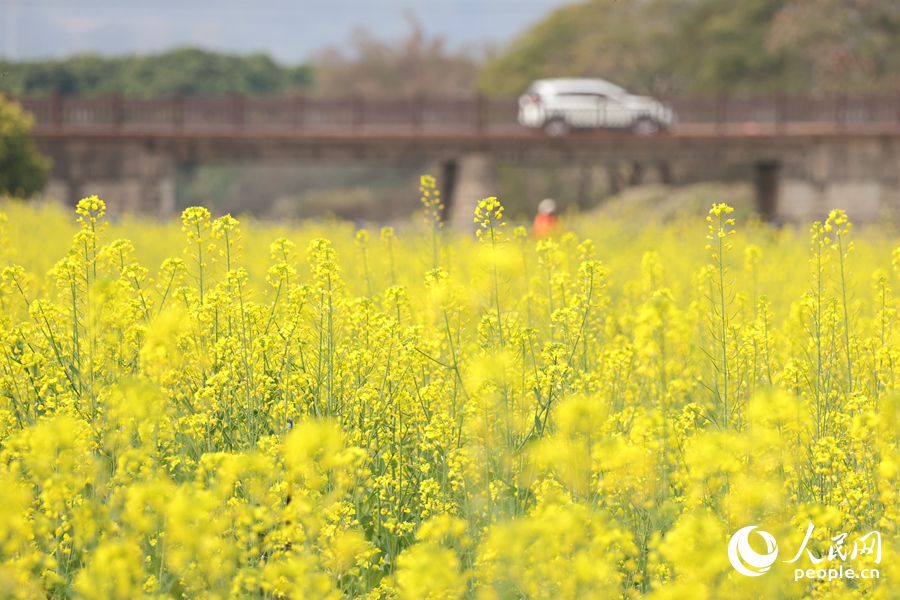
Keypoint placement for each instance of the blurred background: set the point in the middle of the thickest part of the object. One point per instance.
(450, 48)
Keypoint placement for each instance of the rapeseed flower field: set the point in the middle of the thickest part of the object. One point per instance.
(224, 411)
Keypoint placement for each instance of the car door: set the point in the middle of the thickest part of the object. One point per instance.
(611, 113)
(579, 109)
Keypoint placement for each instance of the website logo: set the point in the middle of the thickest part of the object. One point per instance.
(748, 562)
(740, 552)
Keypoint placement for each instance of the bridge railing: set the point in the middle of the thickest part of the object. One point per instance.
(782, 114)
(300, 115)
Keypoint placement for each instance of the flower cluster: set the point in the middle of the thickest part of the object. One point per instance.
(435, 416)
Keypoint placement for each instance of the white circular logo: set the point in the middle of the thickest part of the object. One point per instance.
(740, 552)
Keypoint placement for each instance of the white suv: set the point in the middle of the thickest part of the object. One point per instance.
(559, 105)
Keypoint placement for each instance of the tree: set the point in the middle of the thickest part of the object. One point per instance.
(411, 65)
(187, 71)
(848, 45)
(723, 50)
(191, 71)
(625, 41)
(735, 47)
(23, 170)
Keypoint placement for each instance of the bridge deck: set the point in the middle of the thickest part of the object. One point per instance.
(433, 118)
(511, 133)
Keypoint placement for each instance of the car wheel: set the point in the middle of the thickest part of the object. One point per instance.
(556, 127)
(645, 126)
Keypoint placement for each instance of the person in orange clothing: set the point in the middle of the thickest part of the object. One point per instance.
(546, 219)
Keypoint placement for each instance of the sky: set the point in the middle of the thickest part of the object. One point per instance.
(291, 31)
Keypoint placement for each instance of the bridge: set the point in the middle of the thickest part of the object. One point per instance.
(805, 155)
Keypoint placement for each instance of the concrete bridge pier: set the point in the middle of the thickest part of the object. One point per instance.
(766, 175)
(469, 179)
(861, 176)
(798, 178)
(130, 178)
(448, 170)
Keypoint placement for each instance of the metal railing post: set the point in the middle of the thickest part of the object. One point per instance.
(178, 110)
(479, 114)
(418, 112)
(840, 116)
(297, 106)
(237, 108)
(780, 113)
(897, 111)
(56, 110)
(117, 116)
(721, 113)
(359, 113)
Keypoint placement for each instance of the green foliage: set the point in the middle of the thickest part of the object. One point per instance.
(710, 46)
(728, 52)
(23, 170)
(617, 39)
(847, 46)
(188, 71)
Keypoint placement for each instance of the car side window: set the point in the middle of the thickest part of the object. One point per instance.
(584, 95)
